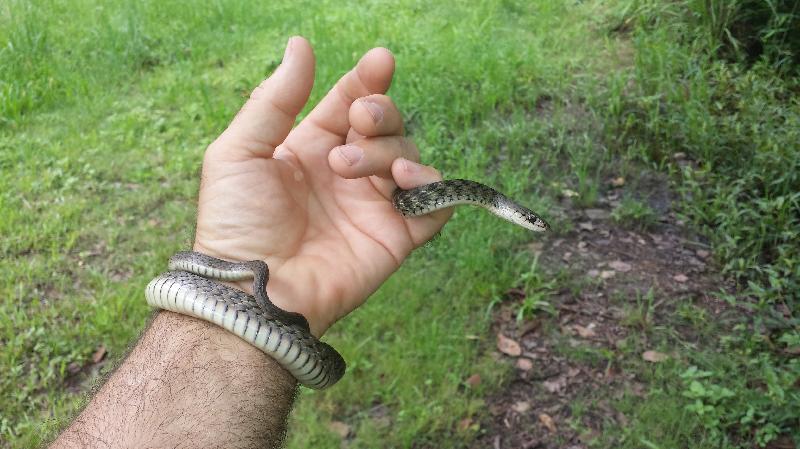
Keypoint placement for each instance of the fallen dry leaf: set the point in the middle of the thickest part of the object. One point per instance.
(680, 278)
(521, 406)
(567, 193)
(465, 424)
(473, 380)
(654, 356)
(606, 274)
(585, 332)
(508, 346)
(618, 182)
(703, 254)
(99, 354)
(340, 428)
(586, 226)
(556, 385)
(618, 265)
(524, 364)
(548, 422)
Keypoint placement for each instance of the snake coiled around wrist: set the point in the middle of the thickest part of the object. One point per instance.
(190, 286)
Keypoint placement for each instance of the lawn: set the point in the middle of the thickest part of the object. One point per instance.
(105, 111)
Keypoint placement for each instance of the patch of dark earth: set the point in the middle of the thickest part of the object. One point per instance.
(621, 281)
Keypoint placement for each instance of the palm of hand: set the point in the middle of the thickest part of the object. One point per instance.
(329, 241)
(276, 211)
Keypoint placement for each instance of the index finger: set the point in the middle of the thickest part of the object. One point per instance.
(371, 75)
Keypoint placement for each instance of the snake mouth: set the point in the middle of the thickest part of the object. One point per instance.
(534, 223)
(539, 223)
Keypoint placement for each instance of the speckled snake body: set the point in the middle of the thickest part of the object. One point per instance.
(439, 195)
(189, 288)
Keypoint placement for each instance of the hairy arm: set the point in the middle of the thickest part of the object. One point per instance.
(187, 383)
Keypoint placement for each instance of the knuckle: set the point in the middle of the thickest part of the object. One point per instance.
(255, 93)
(258, 92)
(347, 97)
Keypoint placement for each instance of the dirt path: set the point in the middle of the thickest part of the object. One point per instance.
(568, 369)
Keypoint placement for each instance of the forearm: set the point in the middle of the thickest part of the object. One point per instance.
(187, 383)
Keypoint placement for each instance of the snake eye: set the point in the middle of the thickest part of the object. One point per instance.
(538, 222)
(543, 224)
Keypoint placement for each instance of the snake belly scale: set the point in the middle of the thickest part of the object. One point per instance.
(190, 287)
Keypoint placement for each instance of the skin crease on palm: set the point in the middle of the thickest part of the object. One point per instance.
(314, 201)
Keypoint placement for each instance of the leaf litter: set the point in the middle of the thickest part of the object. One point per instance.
(621, 265)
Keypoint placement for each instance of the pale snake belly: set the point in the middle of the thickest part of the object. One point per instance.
(189, 288)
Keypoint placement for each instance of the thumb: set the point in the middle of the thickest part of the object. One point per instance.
(268, 115)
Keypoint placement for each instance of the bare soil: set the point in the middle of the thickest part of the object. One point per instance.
(614, 270)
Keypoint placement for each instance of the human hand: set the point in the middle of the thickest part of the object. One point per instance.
(317, 211)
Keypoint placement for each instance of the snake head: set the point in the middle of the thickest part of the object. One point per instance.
(535, 222)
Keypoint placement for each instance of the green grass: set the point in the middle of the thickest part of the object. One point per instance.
(634, 213)
(735, 116)
(105, 110)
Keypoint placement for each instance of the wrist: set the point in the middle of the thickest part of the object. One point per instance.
(288, 295)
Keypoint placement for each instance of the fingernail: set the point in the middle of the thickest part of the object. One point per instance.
(350, 153)
(375, 110)
(288, 52)
(411, 167)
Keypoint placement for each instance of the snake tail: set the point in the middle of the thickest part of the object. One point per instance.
(439, 195)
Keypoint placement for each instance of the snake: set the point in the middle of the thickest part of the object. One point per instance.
(190, 286)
